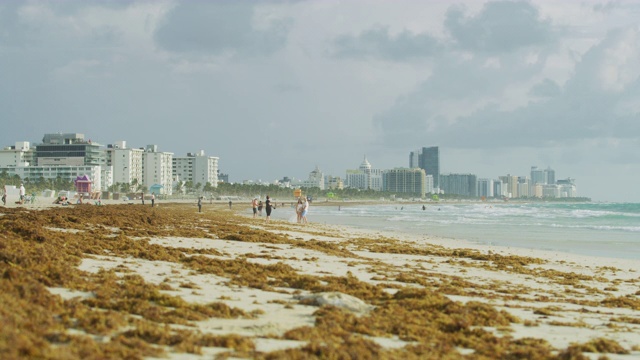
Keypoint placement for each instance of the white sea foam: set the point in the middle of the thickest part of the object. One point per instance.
(585, 228)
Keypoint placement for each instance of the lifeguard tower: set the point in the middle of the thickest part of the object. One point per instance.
(83, 184)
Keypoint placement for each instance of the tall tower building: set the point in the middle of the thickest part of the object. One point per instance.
(550, 174)
(538, 176)
(427, 159)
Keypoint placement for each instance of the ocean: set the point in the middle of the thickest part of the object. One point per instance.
(596, 229)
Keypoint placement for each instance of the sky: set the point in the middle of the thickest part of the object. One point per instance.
(276, 88)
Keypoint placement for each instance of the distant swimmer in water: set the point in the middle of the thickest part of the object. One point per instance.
(424, 207)
(438, 209)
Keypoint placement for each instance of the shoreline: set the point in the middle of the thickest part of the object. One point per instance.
(358, 224)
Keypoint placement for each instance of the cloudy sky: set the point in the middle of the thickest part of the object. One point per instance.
(276, 88)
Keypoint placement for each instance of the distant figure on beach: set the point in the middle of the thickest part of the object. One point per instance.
(200, 204)
(4, 196)
(22, 193)
(305, 209)
(268, 207)
(299, 207)
(230, 203)
(260, 208)
(142, 197)
(153, 199)
(424, 207)
(254, 207)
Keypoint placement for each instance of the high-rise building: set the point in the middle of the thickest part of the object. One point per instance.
(69, 150)
(405, 180)
(485, 188)
(428, 159)
(334, 182)
(498, 188)
(316, 179)
(67, 156)
(524, 188)
(550, 175)
(126, 163)
(21, 154)
(197, 168)
(157, 169)
(546, 176)
(365, 177)
(567, 187)
(538, 176)
(459, 184)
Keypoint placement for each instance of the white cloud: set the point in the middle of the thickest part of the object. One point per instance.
(499, 86)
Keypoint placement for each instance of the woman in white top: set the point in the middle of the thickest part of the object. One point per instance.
(305, 209)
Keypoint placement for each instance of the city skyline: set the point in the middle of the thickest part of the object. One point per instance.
(275, 88)
(71, 155)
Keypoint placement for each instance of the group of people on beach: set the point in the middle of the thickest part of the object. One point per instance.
(257, 206)
(23, 196)
(302, 207)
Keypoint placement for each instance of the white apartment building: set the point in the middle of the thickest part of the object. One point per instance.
(197, 168)
(365, 177)
(316, 179)
(157, 169)
(22, 160)
(19, 155)
(126, 163)
(334, 182)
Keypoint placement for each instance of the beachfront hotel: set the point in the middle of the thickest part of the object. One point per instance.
(197, 168)
(157, 169)
(59, 155)
(459, 184)
(404, 180)
(126, 163)
(69, 156)
(365, 177)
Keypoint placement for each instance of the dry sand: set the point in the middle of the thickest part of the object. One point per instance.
(561, 300)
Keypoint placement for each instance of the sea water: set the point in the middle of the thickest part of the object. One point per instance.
(598, 229)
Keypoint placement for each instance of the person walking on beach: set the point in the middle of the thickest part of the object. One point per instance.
(4, 196)
(299, 206)
(305, 209)
(142, 197)
(254, 207)
(268, 208)
(200, 204)
(230, 203)
(153, 199)
(260, 208)
(22, 193)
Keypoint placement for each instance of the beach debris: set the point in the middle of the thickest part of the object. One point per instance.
(337, 299)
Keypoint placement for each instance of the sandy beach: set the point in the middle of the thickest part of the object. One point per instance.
(132, 281)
